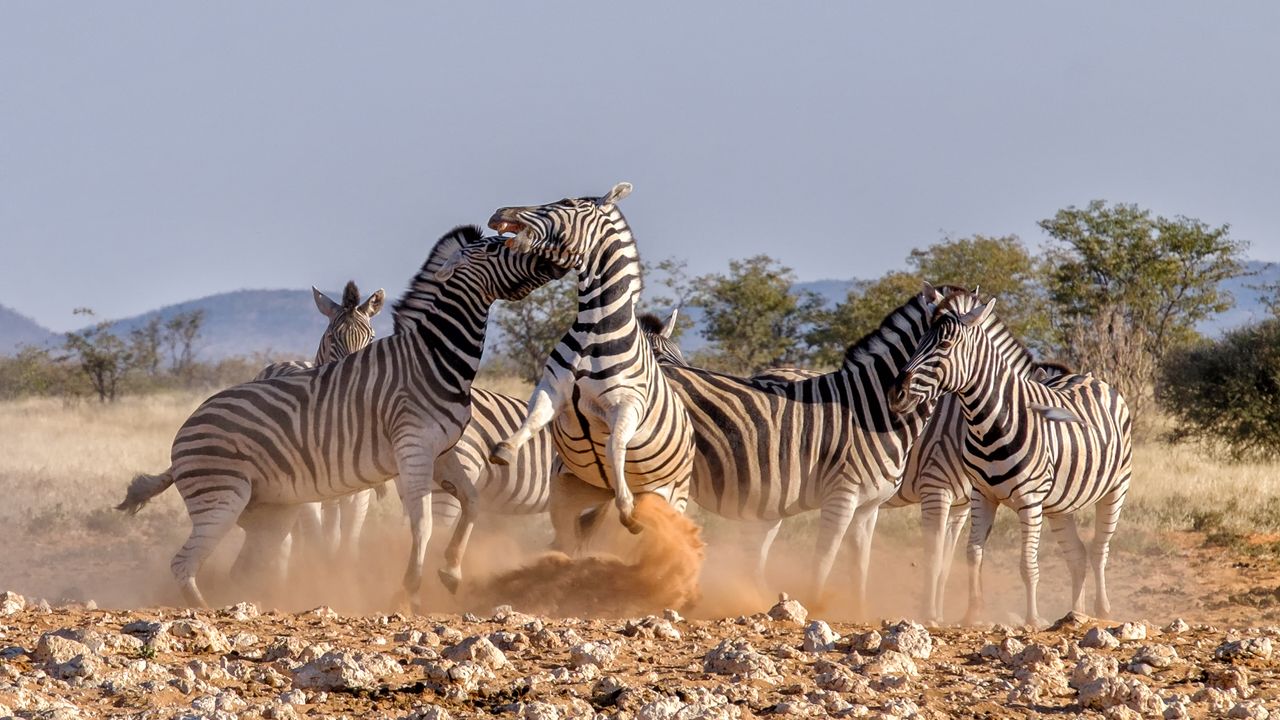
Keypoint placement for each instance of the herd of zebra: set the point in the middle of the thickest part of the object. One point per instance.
(940, 406)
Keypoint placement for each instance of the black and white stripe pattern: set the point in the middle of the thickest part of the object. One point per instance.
(616, 422)
(1046, 450)
(254, 451)
(336, 524)
(791, 441)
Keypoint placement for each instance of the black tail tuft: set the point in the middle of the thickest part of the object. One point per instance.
(142, 489)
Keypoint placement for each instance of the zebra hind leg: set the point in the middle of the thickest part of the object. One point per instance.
(984, 515)
(959, 515)
(213, 512)
(623, 421)
(935, 511)
(261, 566)
(1031, 518)
(1105, 520)
(833, 521)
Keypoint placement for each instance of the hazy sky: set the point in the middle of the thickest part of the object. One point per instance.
(155, 152)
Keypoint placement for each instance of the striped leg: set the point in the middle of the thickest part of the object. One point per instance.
(622, 420)
(935, 509)
(261, 565)
(767, 531)
(213, 512)
(834, 519)
(331, 529)
(1031, 518)
(545, 402)
(984, 516)
(415, 463)
(958, 516)
(864, 528)
(352, 511)
(1065, 533)
(1107, 515)
(463, 490)
(445, 509)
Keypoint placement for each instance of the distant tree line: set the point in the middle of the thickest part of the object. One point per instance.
(1116, 291)
(97, 362)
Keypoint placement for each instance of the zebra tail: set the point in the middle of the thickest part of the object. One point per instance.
(143, 488)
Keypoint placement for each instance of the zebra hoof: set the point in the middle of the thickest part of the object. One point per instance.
(502, 454)
(450, 580)
(630, 524)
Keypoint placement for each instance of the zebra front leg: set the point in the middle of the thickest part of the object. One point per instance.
(958, 516)
(352, 511)
(464, 491)
(416, 465)
(1064, 532)
(545, 402)
(984, 515)
(1106, 517)
(1031, 518)
(834, 518)
(263, 559)
(935, 509)
(623, 420)
(767, 531)
(307, 536)
(864, 529)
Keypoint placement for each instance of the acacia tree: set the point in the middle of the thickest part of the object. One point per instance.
(752, 317)
(103, 357)
(145, 344)
(180, 335)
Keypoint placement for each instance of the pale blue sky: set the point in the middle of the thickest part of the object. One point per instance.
(155, 152)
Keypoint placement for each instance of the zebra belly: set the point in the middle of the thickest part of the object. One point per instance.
(658, 455)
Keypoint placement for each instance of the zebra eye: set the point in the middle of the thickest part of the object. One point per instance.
(946, 345)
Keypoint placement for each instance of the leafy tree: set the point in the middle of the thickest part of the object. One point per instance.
(35, 371)
(678, 290)
(180, 334)
(752, 318)
(868, 302)
(1161, 274)
(1002, 267)
(145, 342)
(1226, 392)
(532, 327)
(102, 356)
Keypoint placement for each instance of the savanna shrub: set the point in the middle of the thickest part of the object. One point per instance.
(1226, 392)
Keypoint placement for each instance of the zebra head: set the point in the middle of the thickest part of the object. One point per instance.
(488, 267)
(564, 232)
(659, 334)
(350, 324)
(944, 358)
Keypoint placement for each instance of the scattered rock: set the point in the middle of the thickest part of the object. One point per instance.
(11, 603)
(1251, 710)
(478, 649)
(1156, 656)
(1130, 632)
(739, 659)
(892, 664)
(344, 670)
(1234, 678)
(910, 638)
(1099, 638)
(200, 636)
(1177, 627)
(1254, 648)
(788, 610)
(819, 637)
(651, 627)
(867, 643)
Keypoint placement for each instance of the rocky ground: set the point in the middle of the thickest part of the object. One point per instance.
(80, 662)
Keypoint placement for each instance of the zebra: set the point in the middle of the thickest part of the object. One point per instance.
(616, 422)
(252, 453)
(790, 441)
(337, 523)
(350, 328)
(1046, 450)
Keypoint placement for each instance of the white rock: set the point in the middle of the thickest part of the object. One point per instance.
(479, 649)
(1093, 667)
(867, 643)
(428, 712)
(293, 697)
(1245, 649)
(539, 711)
(739, 659)
(600, 654)
(893, 664)
(1177, 627)
(200, 636)
(1099, 638)
(1157, 656)
(1130, 632)
(1250, 709)
(819, 637)
(11, 603)
(345, 670)
(788, 610)
(910, 638)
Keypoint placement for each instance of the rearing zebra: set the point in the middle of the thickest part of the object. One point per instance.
(253, 453)
(617, 423)
(337, 523)
(1046, 451)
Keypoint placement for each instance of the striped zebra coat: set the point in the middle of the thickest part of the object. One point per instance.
(617, 423)
(335, 525)
(776, 446)
(1046, 450)
(252, 453)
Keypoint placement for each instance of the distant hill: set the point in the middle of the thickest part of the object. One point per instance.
(287, 324)
(283, 322)
(17, 330)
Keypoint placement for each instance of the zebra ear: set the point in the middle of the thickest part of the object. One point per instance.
(373, 305)
(1039, 375)
(618, 192)
(327, 307)
(929, 294)
(453, 262)
(669, 325)
(1056, 414)
(978, 315)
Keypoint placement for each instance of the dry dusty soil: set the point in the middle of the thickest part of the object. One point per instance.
(77, 662)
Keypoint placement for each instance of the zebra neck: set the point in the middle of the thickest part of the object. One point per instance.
(447, 325)
(609, 279)
(989, 397)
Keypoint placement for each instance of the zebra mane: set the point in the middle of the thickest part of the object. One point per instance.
(425, 284)
(1018, 355)
(350, 296)
(650, 323)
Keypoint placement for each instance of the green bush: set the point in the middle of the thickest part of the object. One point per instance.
(1227, 392)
